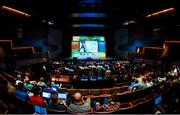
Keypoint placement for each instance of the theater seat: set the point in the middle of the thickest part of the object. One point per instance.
(106, 91)
(53, 111)
(138, 101)
(84, 91)
(115, 90)
(82, 113)
(110, 112)
(72, 91)
(3, 108)
(95, 92)
(9, 77)
(125, 105)
(149, 97)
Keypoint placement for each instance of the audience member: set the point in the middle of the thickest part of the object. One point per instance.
(148, 82)
(19, 79)
(36, 99)
(11, 88)
(161, 78)
(49, 87)
(21, 93)
(41, 82)
(110, 106)
(79, 105)
(56, 103)
(27, 84)
(132, 83)
(107, 74)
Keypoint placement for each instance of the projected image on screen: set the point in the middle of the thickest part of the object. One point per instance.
(88, 47)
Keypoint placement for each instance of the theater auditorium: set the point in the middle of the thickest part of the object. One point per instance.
(89, 57)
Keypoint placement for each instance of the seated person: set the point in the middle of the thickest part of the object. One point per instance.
(138, 86)
(36, 99)
(107, 106)
(56, 103)
(25, 78)
(132, 83)
(4, 84)
(41, 83)
(21, 93)
(49, 88)
(161, 78)
(148, 82)
(139, 78)
(79, 105)
(27, 84)
(19, 79)
(107, 74)
(11, 88)
(69, 71)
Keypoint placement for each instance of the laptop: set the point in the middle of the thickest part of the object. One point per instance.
(84, 79)
(93, 78)
(46, 95)
(40, 110)
(57, 85)
(62, 96)
(158, 100)
(100, 78)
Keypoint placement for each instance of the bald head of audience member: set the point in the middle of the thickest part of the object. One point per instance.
(78, 97)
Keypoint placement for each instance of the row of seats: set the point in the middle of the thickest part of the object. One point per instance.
(142, 97)
(16, 105)
(97, 92)
(127, 100)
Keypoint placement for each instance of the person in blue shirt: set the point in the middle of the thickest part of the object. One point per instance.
(21, 93)
(138, 86)
(132, 83)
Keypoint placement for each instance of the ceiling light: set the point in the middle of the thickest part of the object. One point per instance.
(128, 22)
(169, 10)
(157, 48)
(14, 11)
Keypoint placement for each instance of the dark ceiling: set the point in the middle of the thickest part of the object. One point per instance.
(117, 11)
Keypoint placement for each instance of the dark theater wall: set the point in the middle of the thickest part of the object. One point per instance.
(121, 42)
(128, 40)
(55, 42)
(36, 36)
